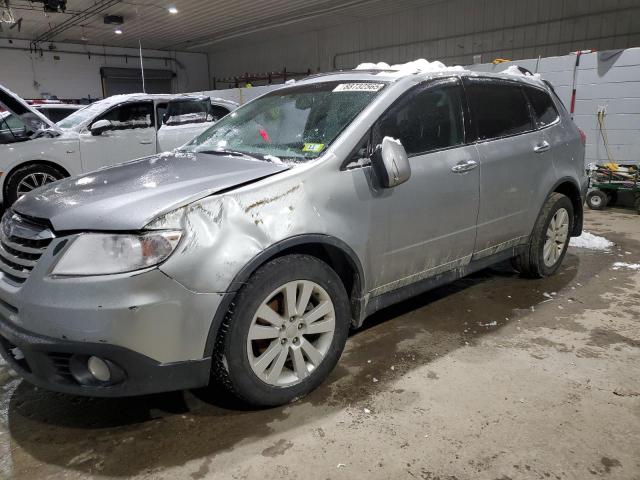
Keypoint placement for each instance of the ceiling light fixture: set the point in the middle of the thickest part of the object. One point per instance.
(172, 9)
(117, 31)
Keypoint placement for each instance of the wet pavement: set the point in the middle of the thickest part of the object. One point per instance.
(491, 377)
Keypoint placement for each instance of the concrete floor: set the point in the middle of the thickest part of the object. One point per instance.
(485, 379)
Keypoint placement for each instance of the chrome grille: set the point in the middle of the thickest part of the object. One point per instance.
(22, 243)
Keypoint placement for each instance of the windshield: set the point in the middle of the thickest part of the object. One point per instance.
(295, 123)
(81, 116)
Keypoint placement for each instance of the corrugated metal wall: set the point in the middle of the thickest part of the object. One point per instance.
(453, 31)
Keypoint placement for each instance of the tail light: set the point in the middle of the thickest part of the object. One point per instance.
(583, 137)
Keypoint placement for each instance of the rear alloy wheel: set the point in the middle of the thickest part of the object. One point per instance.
(284, 332)
(26, 179)
(557, 234)
(549, 240)
(597, 200)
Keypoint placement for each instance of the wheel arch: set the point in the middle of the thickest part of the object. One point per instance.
(331, 250)
(27, 163)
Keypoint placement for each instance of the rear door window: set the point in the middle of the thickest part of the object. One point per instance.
(543, 107)
(426, 119)
(498, 109)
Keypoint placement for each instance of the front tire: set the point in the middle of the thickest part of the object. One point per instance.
(284, 333)
(549, 239)
(29, 177)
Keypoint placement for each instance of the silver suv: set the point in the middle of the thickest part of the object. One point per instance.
(244, 258)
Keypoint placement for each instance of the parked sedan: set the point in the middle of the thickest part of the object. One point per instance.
(244, 258)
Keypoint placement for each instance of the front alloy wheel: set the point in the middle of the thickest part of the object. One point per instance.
(284, 333)
(33, 181)
(291, 333)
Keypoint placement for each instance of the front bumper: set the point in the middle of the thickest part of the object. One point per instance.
(150, 327)
(60, 365)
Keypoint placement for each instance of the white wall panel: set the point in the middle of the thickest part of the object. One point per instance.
(77, 76)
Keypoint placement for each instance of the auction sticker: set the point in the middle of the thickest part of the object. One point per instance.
(358, 87)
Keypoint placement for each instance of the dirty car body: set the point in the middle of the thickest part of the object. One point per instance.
(230, 206)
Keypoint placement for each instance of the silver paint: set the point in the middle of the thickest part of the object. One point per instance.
(232, 209)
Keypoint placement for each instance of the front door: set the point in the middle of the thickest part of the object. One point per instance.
(131, 134)
(431, 218)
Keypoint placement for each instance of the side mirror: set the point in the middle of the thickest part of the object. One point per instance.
(391, 163)
(99, 127)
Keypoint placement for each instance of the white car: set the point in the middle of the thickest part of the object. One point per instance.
(188, 116)
(113, 130)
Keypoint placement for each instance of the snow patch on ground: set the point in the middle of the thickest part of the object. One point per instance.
(630, 266)
(590, 241)
(417, 66)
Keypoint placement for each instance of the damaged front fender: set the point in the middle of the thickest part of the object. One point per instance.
(223, 233)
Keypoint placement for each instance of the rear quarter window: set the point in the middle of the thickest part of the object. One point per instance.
(498, 109)
(543, 107)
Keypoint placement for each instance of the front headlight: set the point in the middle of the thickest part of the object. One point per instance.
(103, 254)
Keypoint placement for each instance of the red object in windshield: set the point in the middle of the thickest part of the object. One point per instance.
(264, 135)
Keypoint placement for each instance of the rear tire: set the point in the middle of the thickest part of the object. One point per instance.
(549, 239)
(27, 178)
(597, 200)
(271, 351)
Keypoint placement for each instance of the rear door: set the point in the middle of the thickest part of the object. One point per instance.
(132, 135)
(514, 159)
(431, 219)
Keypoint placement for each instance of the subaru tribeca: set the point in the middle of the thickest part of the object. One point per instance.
(244, 258)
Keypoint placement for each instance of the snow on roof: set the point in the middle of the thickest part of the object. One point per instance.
(518, 72)
(424, 66)
(410, 68)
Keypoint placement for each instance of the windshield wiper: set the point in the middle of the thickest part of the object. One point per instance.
(233, 153)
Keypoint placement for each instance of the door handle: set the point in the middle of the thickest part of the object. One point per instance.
(146, 142)
(464, 166)
(542, 147)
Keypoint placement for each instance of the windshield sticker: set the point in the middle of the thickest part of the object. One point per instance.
(358, 87)
(313, 147)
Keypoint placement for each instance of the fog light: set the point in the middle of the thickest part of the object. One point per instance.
(99, 369)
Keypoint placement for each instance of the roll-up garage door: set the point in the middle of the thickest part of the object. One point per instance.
(129, 80)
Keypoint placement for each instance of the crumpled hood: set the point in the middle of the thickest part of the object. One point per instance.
(128, 196)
